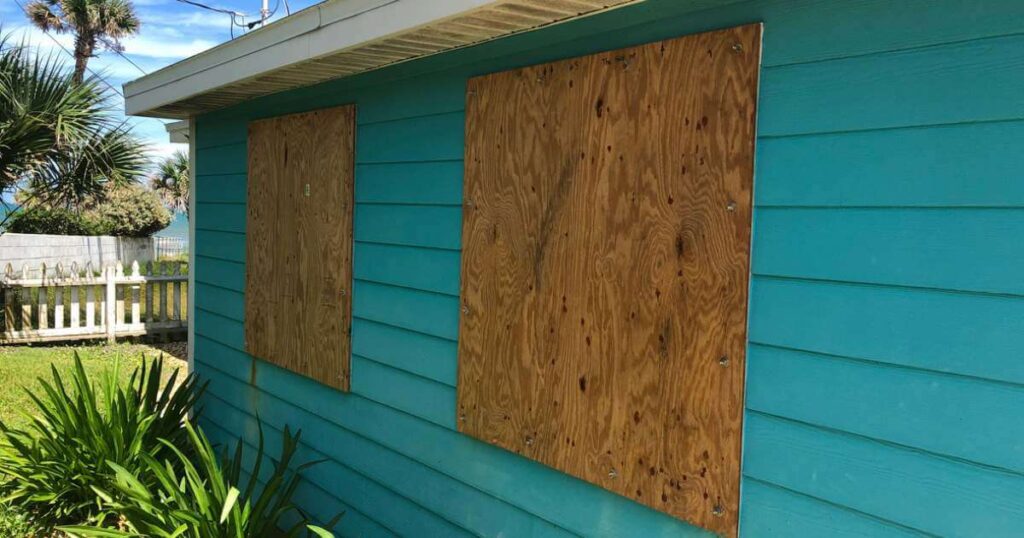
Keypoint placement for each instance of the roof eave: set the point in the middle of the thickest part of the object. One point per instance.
(335, 39)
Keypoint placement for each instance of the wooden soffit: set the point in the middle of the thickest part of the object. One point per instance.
(336, 39)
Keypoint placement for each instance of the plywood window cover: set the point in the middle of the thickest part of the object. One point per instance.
(605, 267)
(299, 243)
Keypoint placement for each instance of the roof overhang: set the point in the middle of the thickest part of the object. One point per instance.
(177, 132)
(335, 39)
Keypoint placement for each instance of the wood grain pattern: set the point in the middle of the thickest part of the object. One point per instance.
(299, 243)
(605, 266)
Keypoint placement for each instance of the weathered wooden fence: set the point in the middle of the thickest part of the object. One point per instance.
(78, 304)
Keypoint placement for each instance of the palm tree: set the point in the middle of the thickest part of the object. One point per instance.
(171, 182)
(41, 110)
(59, 140)
(94, 22)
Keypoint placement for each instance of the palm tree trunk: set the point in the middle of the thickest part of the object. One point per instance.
(84, 46)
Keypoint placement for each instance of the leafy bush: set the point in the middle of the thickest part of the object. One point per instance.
(42, 220)
(131, 211)
(125, 211)
(55, 463)
(202, 500)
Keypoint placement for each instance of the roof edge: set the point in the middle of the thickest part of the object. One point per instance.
(335, 39)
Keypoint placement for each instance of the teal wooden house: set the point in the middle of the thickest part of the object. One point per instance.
(618, 268)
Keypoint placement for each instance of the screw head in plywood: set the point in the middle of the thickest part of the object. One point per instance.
(723, 361)
(613, 474)
(529, 440)
(737, 47)
(465, 310)
(718, 510)
(731, 206)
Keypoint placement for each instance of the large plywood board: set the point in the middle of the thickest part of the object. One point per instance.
(606, 254)
(299, 243)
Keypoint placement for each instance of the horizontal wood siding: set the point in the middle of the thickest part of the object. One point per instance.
(886, 310)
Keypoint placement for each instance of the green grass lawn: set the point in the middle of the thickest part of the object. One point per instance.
(20, 366)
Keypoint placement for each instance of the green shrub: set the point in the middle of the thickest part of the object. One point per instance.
(54, 464)
(130, 211)
(41, 220)
(203, 499)
(124, 211)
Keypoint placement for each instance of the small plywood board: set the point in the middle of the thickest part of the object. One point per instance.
(605, 267)
(299, 243)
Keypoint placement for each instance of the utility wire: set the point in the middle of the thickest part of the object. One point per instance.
(129, 60)
(233, 14)
(91, 71)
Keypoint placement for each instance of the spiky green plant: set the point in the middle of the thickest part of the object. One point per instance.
(203, 499)
(55, 462)
(41, 109)
(61, 142)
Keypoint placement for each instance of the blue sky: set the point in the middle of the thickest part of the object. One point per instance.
(170, 31)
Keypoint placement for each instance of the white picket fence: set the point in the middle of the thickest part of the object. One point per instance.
(78, 304)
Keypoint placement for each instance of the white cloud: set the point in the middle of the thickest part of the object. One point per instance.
(162, 150)
(30, 35)
(161, 48)
(186, 20)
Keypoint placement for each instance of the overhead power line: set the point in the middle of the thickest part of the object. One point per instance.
(129, 60)
(235, 15)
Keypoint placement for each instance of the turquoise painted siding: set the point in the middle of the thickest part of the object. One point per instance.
(885, 371)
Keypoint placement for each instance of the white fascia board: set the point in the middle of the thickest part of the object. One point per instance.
(317, 31)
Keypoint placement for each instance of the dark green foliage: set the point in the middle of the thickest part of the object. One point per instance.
(60, 138)
(131, 211)
(203, 499)
(54, 464)
(41, 109)
(124, 211)
(58, 221)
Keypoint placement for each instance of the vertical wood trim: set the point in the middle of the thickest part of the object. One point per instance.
(9, 321)
(190, 288)
(43, 310)
(150, 314)
(605, 267)
(109, 319)
(119, 309)
(136, 308)
(26, 309)
(90, 306)
(75, 308)
(58, 307)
